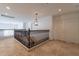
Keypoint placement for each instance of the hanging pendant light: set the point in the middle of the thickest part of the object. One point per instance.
(36, 19)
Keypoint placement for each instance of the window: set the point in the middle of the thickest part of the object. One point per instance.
(7, 28)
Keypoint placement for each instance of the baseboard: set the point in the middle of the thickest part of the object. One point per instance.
(65, 41)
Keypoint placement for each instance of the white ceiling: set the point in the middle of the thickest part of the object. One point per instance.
(27, 10)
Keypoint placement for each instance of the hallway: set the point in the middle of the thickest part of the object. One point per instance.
(11, 47)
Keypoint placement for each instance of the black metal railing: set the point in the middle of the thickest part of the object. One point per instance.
(25, 37)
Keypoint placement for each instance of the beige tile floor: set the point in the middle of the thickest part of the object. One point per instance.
(11, 47)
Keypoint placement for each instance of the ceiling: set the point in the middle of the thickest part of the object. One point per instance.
(27, 10)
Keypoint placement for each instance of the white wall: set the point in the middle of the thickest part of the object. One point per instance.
(71, 27)
(66, 27)
(44, 23)
(58, 27)
(8, 33)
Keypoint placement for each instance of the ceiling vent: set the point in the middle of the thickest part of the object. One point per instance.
(7, 16)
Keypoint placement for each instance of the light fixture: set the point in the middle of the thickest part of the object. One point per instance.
(36, 19)
(59, 10)
(8, 8)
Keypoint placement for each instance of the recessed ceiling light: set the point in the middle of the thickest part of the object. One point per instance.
(59, 10)
(7, 7)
